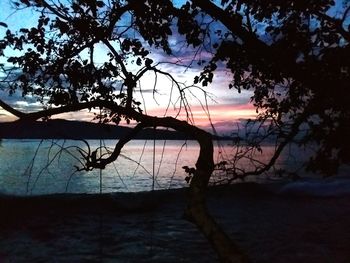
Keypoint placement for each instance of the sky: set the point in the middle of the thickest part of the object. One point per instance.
(226, 107)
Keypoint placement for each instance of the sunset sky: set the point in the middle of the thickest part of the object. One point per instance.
(226, 107)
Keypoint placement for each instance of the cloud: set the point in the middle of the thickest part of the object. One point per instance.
(231, 106)
(16, 100)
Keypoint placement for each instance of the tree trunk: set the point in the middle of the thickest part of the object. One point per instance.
(196, 210)
(226, 249)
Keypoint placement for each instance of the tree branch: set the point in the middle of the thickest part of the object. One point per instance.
(233, 22)
(102, 162)
(293, 132)
(279, 61)
(337, 23)
(11, 110)
(117, 57)
(115, 15)
(44, 4)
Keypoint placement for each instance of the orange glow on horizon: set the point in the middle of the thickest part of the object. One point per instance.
(218, 113)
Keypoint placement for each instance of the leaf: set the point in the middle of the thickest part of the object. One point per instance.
(3, 24)
(100, 4)
(148, 62)
(12, 59)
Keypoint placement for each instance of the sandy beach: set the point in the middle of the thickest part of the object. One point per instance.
(269, 223)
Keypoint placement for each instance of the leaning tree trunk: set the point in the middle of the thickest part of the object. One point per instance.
(196, 210)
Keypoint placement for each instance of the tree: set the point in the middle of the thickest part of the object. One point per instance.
(288, 53)
(53, 68)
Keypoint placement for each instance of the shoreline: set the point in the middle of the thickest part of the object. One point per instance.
(147, 201)
(300, 187)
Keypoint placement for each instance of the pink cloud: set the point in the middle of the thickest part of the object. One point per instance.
(217, 113)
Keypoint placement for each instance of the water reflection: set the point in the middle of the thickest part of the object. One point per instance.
(48, 166)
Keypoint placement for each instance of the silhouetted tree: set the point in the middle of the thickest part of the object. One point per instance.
(293, 55)
(53, 67)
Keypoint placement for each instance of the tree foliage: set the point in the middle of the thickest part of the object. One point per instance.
(294, 55)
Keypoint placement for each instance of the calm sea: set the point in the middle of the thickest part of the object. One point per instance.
(48, 166)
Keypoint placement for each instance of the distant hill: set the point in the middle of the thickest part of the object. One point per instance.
(63, 129)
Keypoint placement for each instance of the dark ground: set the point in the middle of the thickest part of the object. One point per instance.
(148, 227)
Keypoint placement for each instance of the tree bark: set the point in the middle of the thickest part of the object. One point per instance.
(197, 212)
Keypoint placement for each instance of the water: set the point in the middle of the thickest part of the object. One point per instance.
(77, 233)
(48, 166)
